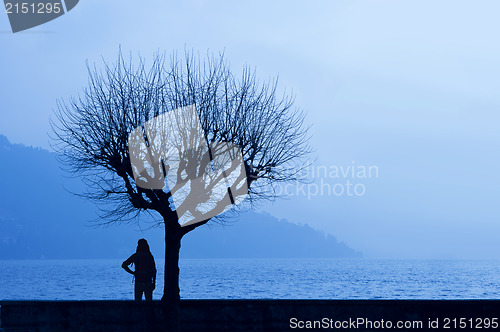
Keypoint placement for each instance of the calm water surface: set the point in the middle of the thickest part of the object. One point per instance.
(258, 279)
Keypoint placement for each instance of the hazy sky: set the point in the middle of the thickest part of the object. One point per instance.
(410, 87)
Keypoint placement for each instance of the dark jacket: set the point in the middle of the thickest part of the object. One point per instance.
(145, 266)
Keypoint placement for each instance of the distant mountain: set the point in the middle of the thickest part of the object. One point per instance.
(39, 218)
(260, 235)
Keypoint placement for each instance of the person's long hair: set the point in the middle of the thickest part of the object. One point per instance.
(142, 246)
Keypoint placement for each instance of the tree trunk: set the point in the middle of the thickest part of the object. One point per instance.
(172, 247)
(171, 296)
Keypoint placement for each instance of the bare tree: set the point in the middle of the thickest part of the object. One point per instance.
(93, 133)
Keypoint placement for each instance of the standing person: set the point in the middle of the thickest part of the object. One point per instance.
(145, 271)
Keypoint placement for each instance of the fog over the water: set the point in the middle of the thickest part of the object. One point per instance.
(409, 87)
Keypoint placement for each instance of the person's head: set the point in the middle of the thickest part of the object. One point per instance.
(142, 246)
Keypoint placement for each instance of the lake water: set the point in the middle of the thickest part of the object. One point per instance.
(258, 279)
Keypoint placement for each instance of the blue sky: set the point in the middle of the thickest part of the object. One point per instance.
(409, 86)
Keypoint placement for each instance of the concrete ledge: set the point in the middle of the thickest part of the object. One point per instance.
(230, 315)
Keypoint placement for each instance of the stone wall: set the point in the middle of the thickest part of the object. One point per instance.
(240, 315)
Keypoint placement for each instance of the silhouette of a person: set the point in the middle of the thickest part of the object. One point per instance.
(145, 271)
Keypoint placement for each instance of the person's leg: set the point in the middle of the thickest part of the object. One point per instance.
(148, 293)
(137, 292)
